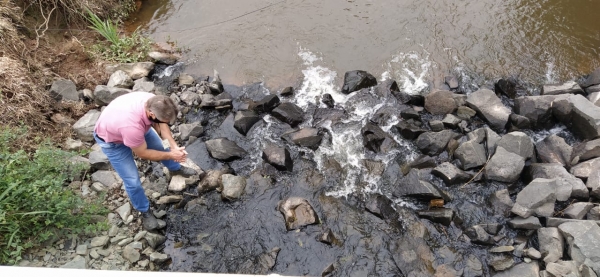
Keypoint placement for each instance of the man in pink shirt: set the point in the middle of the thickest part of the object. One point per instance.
(124, 129)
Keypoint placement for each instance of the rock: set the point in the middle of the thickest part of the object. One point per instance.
(145, 85)
(551, 244)
(570, 87)
(159, 257)
(84, 127)
(154, 240)
(72, 144)
(376, 140)
(504, 166)
(585, 151)
(410, 114)
(297, 212)
(583, 170)
(594, 214)
(568, 185)
(287, 91)
(592, 79)
(578, 210)
(501, 201)
(167, 199)
(266, 104)
(489, 107)
(465, 113)
(411, 185)
(434, 143)
(306, 137)
(328, 100)
(279, 157)
(244, 120)
(134, 70)
(502, 263)
(562, 268)
(164, 58)
(191, 98)
(583, 239)
(585, 117)
(328, 270)
(473, 267)
(443, 216)
(521, 270)
(130, 254)
(224, 149)
(537, 198)
(81, 249)
(120, 79)
(451, 121)
(190, 130)
(105, 177)
(78, 263)
(63, 89)
(593, 181)
(479, 235)
(530, 223)
(435, 125)
(507, 87)
(451, 81)
(557, 221)
(99, 241)
(289, 113)
(409, 130)
(99, 160)
(450, 174)
(381, 206)
(423, 161)
(502, 249)
(471, 154)
(440, 102)
(357, 80)
(179, 183)
(185, 79)
(326, 237)
(533, 253)
(554, 149)
(518, 143)
(233, 186)
(538, 109)
(211, 181)
(103, 95)
(124, 211)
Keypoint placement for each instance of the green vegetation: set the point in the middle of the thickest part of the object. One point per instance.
(34, 203)
(133, 48)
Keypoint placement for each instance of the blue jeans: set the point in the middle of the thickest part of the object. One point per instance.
(121, 158)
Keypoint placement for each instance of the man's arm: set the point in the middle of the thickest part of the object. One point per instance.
(165, 133)
(143, 152)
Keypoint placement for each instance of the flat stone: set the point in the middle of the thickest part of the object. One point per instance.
(78, 263)
(124, 211)
(81, 249)
(169, 199)
(94, 254)
(160, 214)
(125, 242)
(159, 257)
(502, 249)
(99, 241)
(140, 235)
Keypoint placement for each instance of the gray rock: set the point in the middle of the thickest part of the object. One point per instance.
(538, 109)
(266, 104)
(451, 121)
(306, 137)
(594, 213)
(98, 187)
(244, 120)
(117, 239)
(356, 80)
(562, 268)
(411, 185)
(585, 150)
(120, 79)
(537, 198)
(71, 144)
(440, 102)
(557, 221)
(451, 81)
(103, 95)
(113, 231)
(502, 263)
(279, 157)
(434, 143)
(583, 239)
(473, 267)
(297, 212)
(154, 240)
(533, 253)
(233, 186)
(501, 201)
(586, 271)
(179, 183)
(465, 113)
(211, 181)
(530, 223)
(81, 249)
(503, 249)
(224, 149)
(99, 241)
(377, 140)
(63, 89)
(192, 129)
(141, 234)
(435, 125)
(593, 181)
(519, 121)
(578, 210)
(289, 113)
(94, 255)
(137, 245)
(504, 166)
(167, 199)
(551, 244)
(583, 170)
(125, 242)
(145, 85)
(489, 107)
(191, 98)
(185, 79)
(134, 70)
(450, 174)
(554, 149)
(592, 79)
(99, 160)
(585, 117)
(568, 185)
(521, 270)
(78, 263)
(471, 154)
(569, 87)
(159, 257)
(105, 177)
(518, 143)
(443, 216)
(164, 58)
(479, 235)
(84, 127)
(409, 129)
(131, 254)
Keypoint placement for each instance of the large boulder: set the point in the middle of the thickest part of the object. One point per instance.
(554, 149)
(583, 239)
(434, 143)
(471, 154)
(289, 113)
(408, 129)
(105, 94)
(551, 244)
(504, 166)
(411, 185)
(266, 104)
(164, 57)
(357, 80)
(440, 102)
(376, 140)
(592, 79)
(538, 109)
(567, 184)
(297, 212)
(570, 87)
(279, 157)
(585, 117)
(63, 89)
(507, 87)
(233, 186)
(224, 149)
(537, 198)
(244, 120)
(518, 143)
(84, 127)
(450, 174)
(120, 79)
(585, 150)
(190, 130)
(306, 137)
(134, 70)
(489, 107)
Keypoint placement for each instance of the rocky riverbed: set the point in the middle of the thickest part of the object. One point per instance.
(499, 180)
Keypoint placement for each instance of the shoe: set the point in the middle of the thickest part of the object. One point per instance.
(184, 171)
(149, 221)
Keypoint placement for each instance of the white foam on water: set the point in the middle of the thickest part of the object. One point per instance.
(170, 69)
(550, 73)
(318, 80)
(541, 135)
(411, 71)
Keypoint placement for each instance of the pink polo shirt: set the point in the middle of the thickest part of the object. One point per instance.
(124, 120)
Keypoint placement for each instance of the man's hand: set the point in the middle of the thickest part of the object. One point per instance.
(178, 154)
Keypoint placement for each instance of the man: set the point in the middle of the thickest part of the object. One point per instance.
(124, 128)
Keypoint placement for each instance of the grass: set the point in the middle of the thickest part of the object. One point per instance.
(35, 204)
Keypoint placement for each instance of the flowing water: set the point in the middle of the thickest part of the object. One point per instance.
(260, 46)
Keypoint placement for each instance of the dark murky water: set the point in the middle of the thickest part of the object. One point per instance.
(310, 44)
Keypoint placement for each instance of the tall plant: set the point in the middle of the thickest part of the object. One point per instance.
(108, 29)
